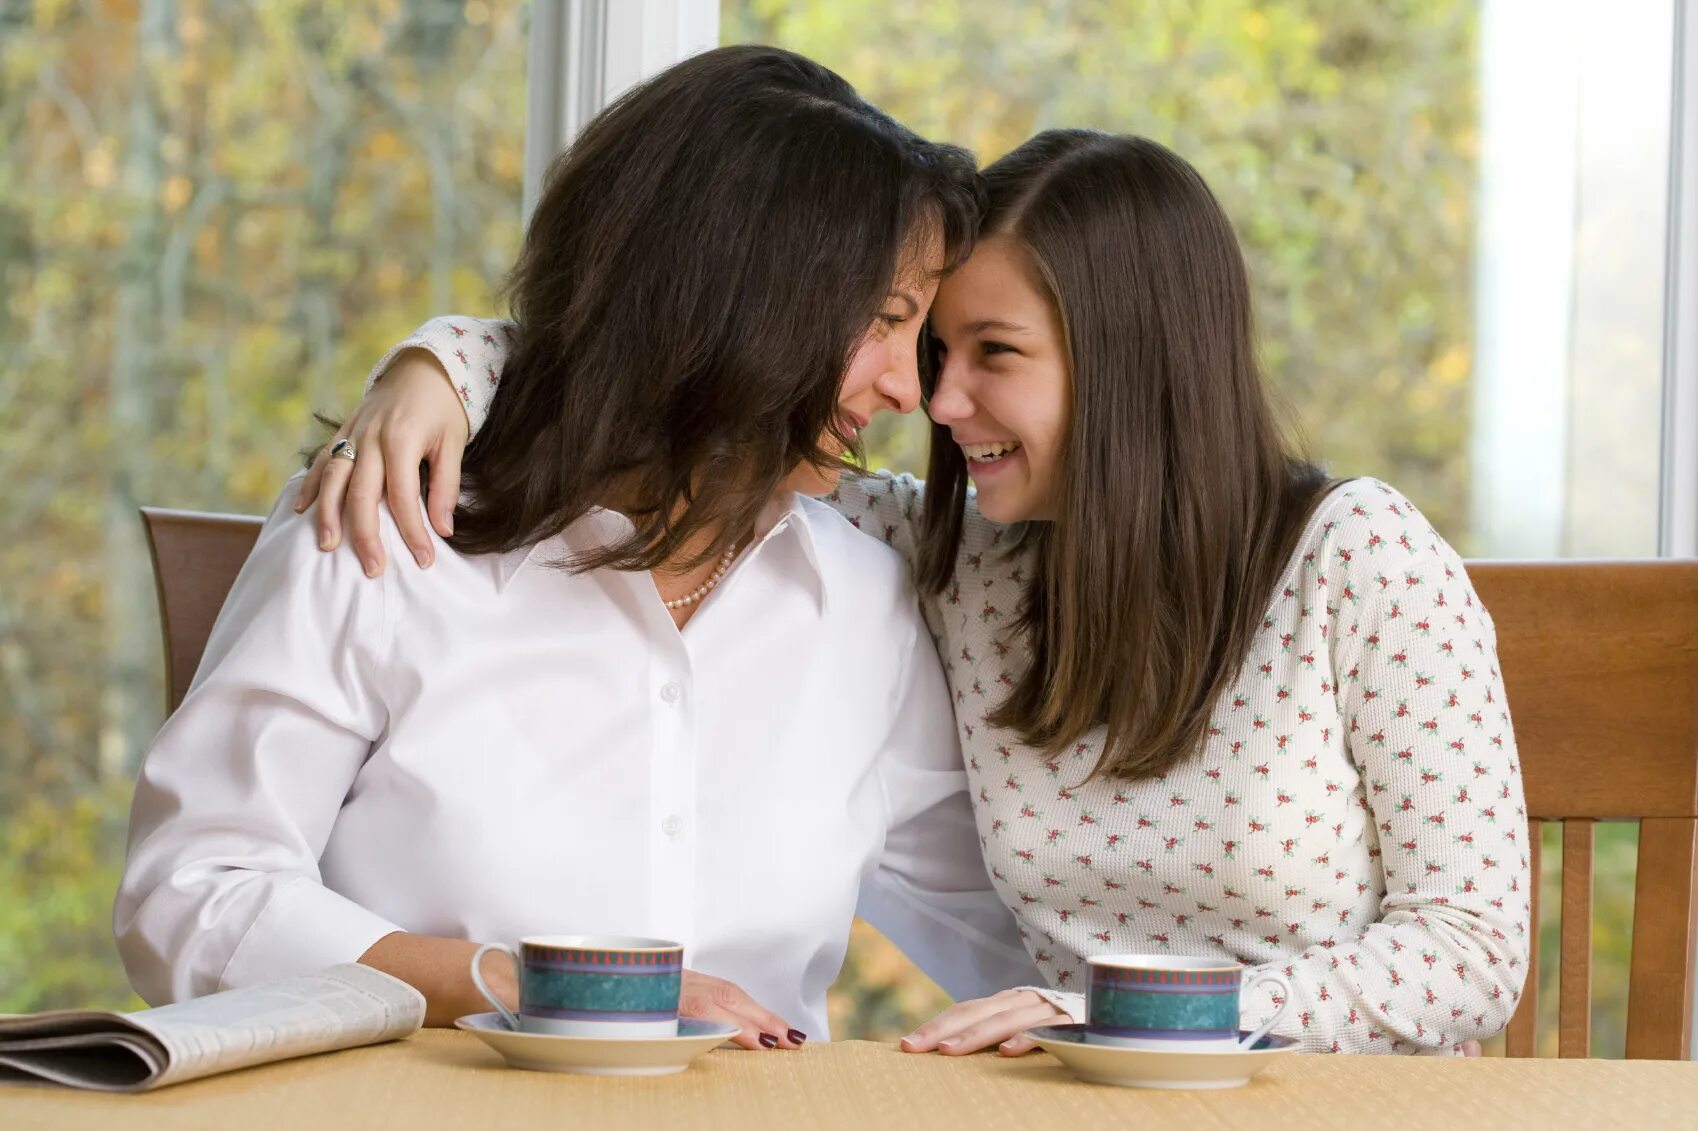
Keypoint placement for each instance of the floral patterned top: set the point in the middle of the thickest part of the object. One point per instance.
(1354, 819)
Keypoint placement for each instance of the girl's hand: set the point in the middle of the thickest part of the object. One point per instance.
(411, 416)
(715, 999)
(968, 1026)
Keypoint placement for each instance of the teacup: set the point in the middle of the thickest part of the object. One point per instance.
(591, 985)
(1155, 1001)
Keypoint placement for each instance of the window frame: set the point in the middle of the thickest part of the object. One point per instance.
(583, 54)
(1679, 526)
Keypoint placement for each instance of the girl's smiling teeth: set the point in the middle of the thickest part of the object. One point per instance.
(989, 453)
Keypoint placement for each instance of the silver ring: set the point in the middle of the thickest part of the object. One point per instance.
(343, 449)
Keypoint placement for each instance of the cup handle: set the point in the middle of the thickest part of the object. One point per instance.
(1270, 978)
(507, 1015)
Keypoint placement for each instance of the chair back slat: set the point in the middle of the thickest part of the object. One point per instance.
(1574, 980)
(1521, 1037)
(196, 558)
(1600, 666)
(1659, 992)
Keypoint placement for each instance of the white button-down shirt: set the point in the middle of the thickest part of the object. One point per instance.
(493, 747)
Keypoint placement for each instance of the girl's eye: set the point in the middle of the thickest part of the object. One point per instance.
(996, 347)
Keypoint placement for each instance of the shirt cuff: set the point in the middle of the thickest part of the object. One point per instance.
(445, 339)
(1072, 1004)
(464, 390)
(304, 928)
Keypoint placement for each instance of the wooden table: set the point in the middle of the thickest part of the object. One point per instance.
(444, 1078)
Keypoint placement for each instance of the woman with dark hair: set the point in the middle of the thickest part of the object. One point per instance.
(1211, 702)
(724, 281)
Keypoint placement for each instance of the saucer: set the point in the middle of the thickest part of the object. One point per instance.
(1158, 1068)
(598, 1056)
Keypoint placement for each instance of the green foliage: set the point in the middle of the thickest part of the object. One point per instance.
(59, 865)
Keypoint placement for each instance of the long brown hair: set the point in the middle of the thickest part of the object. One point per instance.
(699, 269)
(1179, 500)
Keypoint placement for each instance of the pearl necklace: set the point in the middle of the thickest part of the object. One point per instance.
(706, 587)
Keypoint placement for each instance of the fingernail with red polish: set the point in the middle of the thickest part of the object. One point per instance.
(768, 1041)
(797, 1037)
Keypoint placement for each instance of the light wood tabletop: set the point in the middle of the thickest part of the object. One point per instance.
(440, 1078)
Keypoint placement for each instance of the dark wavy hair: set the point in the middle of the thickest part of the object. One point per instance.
(1180, 501)
(702, 263)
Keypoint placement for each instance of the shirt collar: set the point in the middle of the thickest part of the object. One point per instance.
(787, 514)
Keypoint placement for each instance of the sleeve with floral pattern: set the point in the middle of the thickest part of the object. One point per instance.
(1415, 667)
(472, 351)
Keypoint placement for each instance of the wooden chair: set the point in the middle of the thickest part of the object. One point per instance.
(195, 561)
(1600, 662)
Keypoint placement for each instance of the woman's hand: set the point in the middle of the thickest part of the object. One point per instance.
(715, 999)
(968, 1026)
(440, 969)
(411, 416)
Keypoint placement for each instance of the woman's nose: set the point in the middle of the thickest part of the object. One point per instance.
(900, 381)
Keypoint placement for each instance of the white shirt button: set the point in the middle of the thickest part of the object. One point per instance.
(673, 825)
(670, 692)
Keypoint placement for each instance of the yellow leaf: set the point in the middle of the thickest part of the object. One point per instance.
(1450, 366)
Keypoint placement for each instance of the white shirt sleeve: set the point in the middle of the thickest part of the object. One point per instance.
(238, 794)
(931, 894)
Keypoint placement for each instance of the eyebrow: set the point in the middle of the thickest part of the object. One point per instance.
(984, 324)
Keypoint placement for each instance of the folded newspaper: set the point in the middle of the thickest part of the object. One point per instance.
(339, 1007)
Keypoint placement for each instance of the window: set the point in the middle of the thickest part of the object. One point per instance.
(213, 217)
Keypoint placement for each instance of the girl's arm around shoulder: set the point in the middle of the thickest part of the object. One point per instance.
(472, 353)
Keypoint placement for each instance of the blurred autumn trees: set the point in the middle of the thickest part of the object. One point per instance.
(213, 217)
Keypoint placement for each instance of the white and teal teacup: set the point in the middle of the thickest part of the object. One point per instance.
(1156, 1001)
(591, 985)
